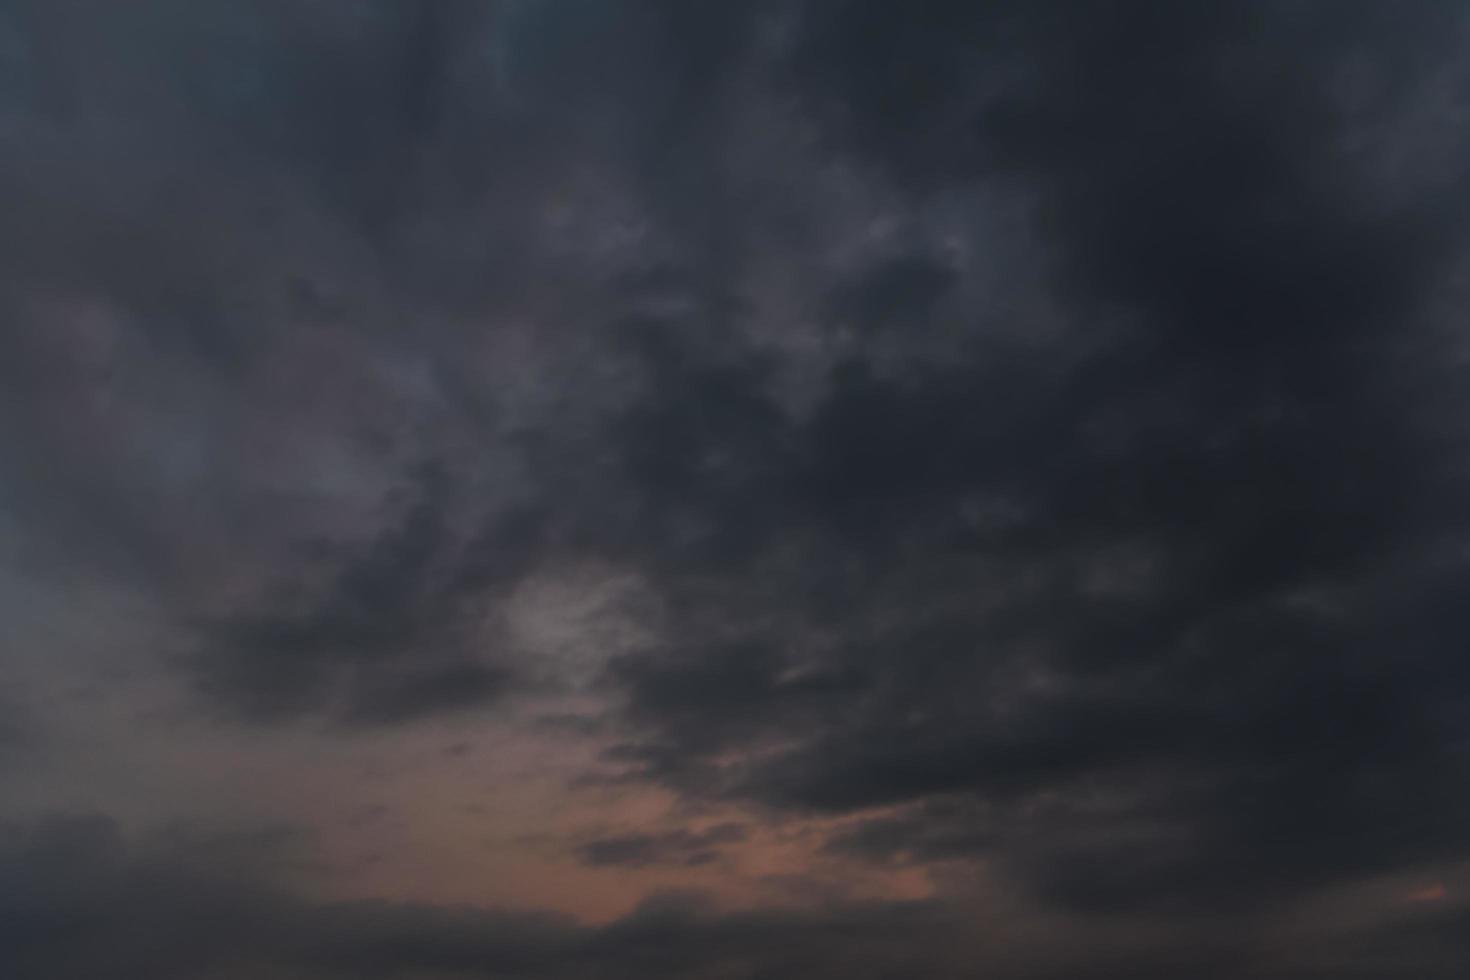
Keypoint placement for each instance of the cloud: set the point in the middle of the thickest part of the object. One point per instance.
(678, 847)
(81, 901)
(1147, 576)
(386, 639)
(1037, 435)
(279, 257)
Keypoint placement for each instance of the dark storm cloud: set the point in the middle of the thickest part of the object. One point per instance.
(935, 830)
(268, 258)
(679, 847)
(1038, 421)
(385, 640)
(80, 902)
(237, 231)
(1173, 576)
(14, 730)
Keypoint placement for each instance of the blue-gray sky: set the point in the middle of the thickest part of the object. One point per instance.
(643, 488)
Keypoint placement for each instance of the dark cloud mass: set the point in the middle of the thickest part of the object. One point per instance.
(1020, 445)
(678, 846)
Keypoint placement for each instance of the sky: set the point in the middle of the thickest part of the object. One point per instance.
(602, 489)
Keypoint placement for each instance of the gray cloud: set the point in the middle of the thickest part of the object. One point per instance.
(1165, 568)
(81, 902)
(1040, 431)
(678, 847)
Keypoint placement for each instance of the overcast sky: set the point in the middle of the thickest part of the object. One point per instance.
(636, 489)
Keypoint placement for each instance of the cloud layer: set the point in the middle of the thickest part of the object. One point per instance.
(1017, 447)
